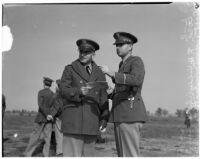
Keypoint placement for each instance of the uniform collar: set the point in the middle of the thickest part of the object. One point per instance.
(80, 69)
(90, 65)
(122, 64)
(126, 57)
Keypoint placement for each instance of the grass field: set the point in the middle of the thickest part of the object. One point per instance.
(160, 137)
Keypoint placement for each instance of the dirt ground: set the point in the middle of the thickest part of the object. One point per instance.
(159, 138)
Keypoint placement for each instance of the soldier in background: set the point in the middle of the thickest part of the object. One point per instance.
(3, 112)
(187, 118)
(43, 129)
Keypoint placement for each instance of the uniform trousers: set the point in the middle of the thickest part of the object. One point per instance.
(58, 136)
(127, 137)
(75, 145)
(42, 132)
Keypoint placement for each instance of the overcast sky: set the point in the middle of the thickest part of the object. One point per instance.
(45, 41)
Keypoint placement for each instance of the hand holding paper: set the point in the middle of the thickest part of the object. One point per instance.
(97, 85)
(85, 90)
(106, 70)
(109, 90)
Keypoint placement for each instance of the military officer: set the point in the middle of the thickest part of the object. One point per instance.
(128, 112)
(43, 120)
(86, 109)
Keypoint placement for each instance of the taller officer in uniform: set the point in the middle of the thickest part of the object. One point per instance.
(43, 129)
(128, 111)
(86, 109)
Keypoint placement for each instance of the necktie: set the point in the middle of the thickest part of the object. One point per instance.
(120, 64)
(88, 70)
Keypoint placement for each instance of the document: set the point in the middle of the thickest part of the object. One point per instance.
(97, 85)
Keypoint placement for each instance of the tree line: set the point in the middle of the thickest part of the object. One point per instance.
(160, 112)
(21, 112)
(194, 112)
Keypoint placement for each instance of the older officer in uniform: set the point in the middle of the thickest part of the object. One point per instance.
(128, 111)
(43, 120)
(86, 109)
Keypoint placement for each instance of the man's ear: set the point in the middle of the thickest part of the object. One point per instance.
(93, 55)
(130, 47)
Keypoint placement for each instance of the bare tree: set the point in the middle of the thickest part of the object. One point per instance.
(194, 112)
(179, 113)
(165, 112)
(158, 112)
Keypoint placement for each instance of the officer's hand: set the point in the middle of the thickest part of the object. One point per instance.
(49, 117)
(103, 126)
(85, 90)
(109, 90)
(104, 69)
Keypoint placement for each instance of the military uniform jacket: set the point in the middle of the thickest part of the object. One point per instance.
(45, 101)
(128, 83)
(82, 114)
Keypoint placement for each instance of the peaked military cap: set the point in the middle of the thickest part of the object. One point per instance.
(87, 45)
(47, 81)
(124, 38)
